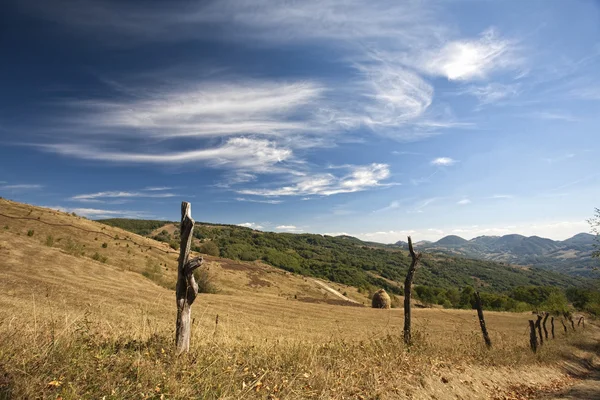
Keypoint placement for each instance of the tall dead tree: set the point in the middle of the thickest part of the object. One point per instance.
(187, 288)
(486, 337)
(552, 326)
(539, 328)
(544, 325)
(532, 336)
(408, 289)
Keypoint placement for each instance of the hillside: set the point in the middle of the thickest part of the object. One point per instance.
(571, 256)
(82, 316)
(350, 261)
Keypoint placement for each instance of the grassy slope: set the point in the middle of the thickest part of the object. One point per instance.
(353, 262)
(74, 327)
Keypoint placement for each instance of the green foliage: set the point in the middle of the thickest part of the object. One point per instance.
(73, 247)
(30, 232)
(595, 226)
(49, 241)
(209, 248)
(585, 299)
(174, 244)
(104, 245)
(205, 281)
(139, 226)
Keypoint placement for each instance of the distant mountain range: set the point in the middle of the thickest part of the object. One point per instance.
(572, 256)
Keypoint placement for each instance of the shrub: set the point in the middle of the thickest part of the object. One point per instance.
(209, 248)
(49, 241)
(205, 281)
(30, 232)
(174, 244)
(6, 227)
(104, 245)
(99, 257)
(74, 248)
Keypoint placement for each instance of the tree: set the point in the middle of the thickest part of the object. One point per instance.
(595, 226)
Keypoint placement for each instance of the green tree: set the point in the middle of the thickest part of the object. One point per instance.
(595, 226)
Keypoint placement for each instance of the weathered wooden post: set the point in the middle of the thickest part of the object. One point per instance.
(539, 328)
(552, 326)
(564, 326)
(187, 288)
(486, 337)
(408, 289)
(572, 323)
(544, 325)
(581, 319)
(532, 336)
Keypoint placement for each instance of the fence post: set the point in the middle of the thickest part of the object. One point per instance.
(581, 319)
(486, 337)
(572, 323)
(544, 325)
(532, 336)
(539, 328)
(408, 289)
(552, 325)
(562, 321)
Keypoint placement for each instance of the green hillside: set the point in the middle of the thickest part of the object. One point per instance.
(353, 262)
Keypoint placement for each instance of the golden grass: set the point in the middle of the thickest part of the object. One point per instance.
(74, 327)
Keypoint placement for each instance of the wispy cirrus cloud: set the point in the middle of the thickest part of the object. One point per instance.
(102, 196)
(243, 153)
(464, 202)
(264, 201)
(21, 187)
(101, 213)
(359, 178)
(492, 92)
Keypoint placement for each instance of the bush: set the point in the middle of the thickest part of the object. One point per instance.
(104, 245)
(30, 232)
(205, 281)
(49, 241)
(99, 257)
(74, 248)
(209, 248)
(174, 244)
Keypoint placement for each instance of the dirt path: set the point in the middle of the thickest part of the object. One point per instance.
(334, 292)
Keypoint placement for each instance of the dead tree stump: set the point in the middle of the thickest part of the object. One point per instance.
(539, 328)
(484, 331)
(544, 325)
(408, 289)
(552, 326)
(187, 288)
(532, 336)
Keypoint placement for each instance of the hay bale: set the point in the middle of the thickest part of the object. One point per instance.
(381, 300)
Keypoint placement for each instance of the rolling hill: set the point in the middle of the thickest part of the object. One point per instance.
(571, 256)
(348, 260)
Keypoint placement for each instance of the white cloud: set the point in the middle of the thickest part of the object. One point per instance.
(288, 228)
(258, 200)
(210, 109)
(501, 196)
(251, 225)
(21, 187)
(443, 161)
(471, 59)
(553, 116)
(493, 92)
(392, 206)
(464, 202)
(100, 213)
(359, 178)
(248, 153)
(157, 188)
(99, 196)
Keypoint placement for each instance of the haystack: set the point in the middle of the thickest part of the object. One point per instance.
(381, 300)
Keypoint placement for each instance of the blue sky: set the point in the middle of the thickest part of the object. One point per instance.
(375, 119)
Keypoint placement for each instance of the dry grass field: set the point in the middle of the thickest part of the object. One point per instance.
(79, 320)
